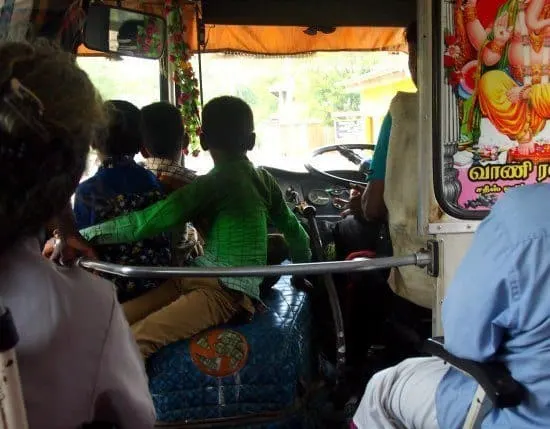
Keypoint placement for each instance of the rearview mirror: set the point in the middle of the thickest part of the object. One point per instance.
(124, 32)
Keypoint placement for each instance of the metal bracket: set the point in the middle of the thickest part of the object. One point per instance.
(433, 249)
(453, 227)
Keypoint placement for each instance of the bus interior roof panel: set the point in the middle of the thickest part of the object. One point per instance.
(349, 13)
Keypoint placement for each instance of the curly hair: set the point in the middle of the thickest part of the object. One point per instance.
(50, 112)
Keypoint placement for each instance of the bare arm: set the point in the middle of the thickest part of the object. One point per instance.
(493, 51)
(476, 33)
(65, 222)
(490, 58)
(71, 243)
(372, 201)
(532, 15)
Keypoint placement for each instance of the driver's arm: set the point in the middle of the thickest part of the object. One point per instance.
(372, 201)
(286, 222)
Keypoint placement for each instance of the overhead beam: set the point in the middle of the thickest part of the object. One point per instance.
(341, 13)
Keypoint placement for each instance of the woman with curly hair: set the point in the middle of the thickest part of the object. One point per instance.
(77, 359)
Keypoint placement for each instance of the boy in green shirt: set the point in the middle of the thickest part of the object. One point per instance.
(236, 200)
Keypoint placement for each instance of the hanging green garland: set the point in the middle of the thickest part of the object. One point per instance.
(183, 76)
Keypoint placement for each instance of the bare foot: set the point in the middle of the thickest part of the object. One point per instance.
(526, 148)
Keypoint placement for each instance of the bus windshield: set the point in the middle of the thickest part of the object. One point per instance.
(300, 103)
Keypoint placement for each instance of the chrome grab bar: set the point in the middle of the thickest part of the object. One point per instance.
(420, 259)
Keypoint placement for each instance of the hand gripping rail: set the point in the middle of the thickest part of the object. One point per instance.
(420, 259)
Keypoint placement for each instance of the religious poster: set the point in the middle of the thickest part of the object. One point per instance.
(495, 99)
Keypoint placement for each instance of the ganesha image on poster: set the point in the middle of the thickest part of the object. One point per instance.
(497, 60)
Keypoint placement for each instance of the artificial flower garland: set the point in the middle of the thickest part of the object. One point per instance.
(149, 38)
(183, 76)
(453, 60)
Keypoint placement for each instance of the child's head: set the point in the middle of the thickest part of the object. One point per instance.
(228, 126)
(163, 132)
(124, 134)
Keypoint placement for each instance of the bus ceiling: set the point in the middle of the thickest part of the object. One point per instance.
(290, 27)
(303, 13)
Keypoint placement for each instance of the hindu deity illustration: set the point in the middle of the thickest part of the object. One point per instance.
(498, 62)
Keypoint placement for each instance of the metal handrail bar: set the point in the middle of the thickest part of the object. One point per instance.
(419, 259)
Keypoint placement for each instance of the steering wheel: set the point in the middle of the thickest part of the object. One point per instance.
(346, 151)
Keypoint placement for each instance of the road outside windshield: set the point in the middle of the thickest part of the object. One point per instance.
(300, 103)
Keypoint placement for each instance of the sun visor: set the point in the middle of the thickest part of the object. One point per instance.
(287, 40)
(227, 32)
(306, 13)
(269, 40)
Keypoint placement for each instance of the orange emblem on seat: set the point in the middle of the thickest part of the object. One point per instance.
(219, 352)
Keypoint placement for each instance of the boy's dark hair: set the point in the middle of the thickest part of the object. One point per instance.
(228, 124)
(163, 132)
(411, 33)
(124, 134)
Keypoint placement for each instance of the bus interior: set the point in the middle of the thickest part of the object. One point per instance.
(320, 77)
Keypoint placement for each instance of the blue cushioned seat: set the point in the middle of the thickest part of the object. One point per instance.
(279, 358)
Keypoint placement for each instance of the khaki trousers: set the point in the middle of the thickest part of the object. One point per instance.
(179, 309)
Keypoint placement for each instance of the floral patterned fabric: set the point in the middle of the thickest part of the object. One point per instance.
(150, 252)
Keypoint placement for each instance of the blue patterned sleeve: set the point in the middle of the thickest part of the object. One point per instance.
(83, 208)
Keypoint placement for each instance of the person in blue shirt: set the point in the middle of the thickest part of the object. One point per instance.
(496, 309)
(119, 187)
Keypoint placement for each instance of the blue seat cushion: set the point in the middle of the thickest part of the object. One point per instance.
(270, 356)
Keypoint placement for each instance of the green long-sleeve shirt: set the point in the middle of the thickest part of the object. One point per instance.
(236, 200)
